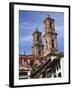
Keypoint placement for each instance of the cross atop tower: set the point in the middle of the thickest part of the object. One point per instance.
(49, 16)
(49, 24)
(37, 29)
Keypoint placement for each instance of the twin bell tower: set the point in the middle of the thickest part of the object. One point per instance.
(49, 39)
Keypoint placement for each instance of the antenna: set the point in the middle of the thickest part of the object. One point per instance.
(24, 52)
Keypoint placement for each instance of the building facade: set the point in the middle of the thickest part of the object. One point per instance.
(45, 61)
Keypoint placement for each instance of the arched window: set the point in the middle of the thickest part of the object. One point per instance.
(40, 53)
(52, 43)
(37, 37)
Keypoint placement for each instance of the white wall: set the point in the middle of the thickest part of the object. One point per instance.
(62, 67)
(4, 44)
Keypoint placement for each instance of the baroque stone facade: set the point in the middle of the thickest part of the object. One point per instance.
(50, 39)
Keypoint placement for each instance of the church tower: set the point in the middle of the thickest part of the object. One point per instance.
(50, 36)
(37, 48)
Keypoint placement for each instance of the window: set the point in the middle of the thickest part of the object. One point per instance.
(50, 24)
(46, 42)
(58, 66)
(52, 43)
(59, 74)
(39, 52)
(46, 45)
(37, 37)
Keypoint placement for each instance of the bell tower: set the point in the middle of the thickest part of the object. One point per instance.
(50, 36)
(37, 48)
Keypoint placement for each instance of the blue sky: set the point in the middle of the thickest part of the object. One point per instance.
(29, 20)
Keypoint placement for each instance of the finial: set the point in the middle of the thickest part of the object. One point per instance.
(36, 28)
(49, 16)
(24, 52)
